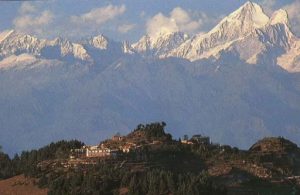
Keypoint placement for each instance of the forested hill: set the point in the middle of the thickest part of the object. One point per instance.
(160, 164)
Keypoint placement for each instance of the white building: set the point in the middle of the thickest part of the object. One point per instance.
(93, 151)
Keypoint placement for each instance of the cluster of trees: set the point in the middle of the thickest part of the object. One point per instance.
(99, 179)
(166, 182)
(154, 130)
(26, 162)
(106, 179)
(6, 166)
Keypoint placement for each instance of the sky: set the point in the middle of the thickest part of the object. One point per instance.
(125, 19)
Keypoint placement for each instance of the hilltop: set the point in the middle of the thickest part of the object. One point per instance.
(274, 145)
(142, 135)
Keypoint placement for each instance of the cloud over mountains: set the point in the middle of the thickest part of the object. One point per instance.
(43, 19)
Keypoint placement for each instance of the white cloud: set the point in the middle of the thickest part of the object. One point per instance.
(30, 20)
(161, 24)
(95, 21)
(184, 21)
(125, 28)
(294, 16)
(99, 16)
(178, 20)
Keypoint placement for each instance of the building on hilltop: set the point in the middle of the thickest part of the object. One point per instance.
(187, 142)
(77, 153)
(196, 139)
(199, 139)
(117, 137)
(128, 147)
(93, 151)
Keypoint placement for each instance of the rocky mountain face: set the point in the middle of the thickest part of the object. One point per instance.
(237, 83)
(249, 34)
(159, 45)
(17, 43)
(233, 27)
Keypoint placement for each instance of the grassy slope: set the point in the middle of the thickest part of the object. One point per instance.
(19, 185)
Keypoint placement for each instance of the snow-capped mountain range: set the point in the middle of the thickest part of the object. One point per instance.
(236, 83)
(247, 33)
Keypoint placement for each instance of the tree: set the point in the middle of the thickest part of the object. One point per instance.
(6, 166)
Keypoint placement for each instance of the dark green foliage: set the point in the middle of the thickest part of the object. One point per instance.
(6, 167)
(104, 179)
(27, 162)
(154, 130)
(100, 179)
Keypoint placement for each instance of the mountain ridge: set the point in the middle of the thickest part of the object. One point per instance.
(238, 27)
(240, 30)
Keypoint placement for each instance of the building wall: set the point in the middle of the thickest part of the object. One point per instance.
(100, 153)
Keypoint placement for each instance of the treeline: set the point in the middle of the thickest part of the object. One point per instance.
(26, 162)
(7, 169)
(167, 182)
(106, 179)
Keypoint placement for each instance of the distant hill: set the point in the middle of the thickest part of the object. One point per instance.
(273, 145)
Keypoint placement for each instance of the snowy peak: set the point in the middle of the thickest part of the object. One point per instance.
(280, 17)
(167, 42)
(161, 44)
(249, 34)
(252, 13)
(236, 25)
(126, 48)
(5, 34)
(15, 43)
(245, 19)
(144, 44)
(99, 42)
